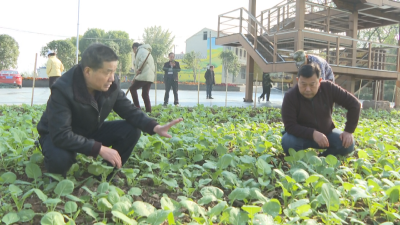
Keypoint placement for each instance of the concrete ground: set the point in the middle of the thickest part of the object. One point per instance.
(13, 96)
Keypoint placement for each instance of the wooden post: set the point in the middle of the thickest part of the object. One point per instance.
(155, 87)
(219, 23)
(275, 48)
(255, 93)
(262, 20)
(337, 50)
(255, 36)
(283, 74)
(226, 87)
(278, 20)
(269, 20)
(241, 19)
(198, 88)
(120, 71)
(359, 89)
(34, 78)
(369, 55)
(287, 11)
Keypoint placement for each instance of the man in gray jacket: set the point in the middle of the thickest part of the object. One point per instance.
(74, 119)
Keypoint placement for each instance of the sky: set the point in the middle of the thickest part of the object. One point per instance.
(34, 23)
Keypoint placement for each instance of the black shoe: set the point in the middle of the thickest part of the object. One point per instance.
(210, 98)
(165, 104)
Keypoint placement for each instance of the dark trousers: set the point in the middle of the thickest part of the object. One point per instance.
(171, 83)
(209, 90)
(335, 144)
(119, 134)
(52, 80)
(145, 85)
(266, 91)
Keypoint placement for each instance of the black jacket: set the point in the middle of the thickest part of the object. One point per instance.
(72, 114)
(210, 77)
(176, 69)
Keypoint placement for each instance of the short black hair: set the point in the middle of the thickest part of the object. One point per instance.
(94, 56)
(136, 45)
(51, 54)
(309, 70)
(211, 66)
(170, 53)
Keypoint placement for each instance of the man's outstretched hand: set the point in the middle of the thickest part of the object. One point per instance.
(163, 130)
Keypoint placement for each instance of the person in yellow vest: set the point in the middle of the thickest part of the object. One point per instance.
(54, 67)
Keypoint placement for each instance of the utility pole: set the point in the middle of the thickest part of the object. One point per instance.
(77, 35)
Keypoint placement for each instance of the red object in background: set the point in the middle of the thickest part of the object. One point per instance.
(11, 77)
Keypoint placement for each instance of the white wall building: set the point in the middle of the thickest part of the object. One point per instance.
(198, 43)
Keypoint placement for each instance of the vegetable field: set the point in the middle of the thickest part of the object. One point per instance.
(222, 166)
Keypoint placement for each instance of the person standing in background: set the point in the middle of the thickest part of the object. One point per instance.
(144, 74)
(266, 84)
(54, 67)
(171, 69)
(210, 81)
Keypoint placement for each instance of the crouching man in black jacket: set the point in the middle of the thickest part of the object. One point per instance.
(79, 103)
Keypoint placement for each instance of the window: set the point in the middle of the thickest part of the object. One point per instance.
(244, 53)
(240, 53)
(237, 51)
(205, 35)
(243, 72)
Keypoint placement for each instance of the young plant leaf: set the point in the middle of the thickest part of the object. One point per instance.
(124, 218)
(10, 218)
(26, 215)
(158, 217)
(135, 191)
(330, 197)
(52, 218)
(90, 212)
(143, 208)
(33, 171)
(70, 207)
(8, 178)
(273, 208)
(64, 188)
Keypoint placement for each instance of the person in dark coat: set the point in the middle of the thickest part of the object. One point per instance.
(210, 81)
(171, 69)
(307, 115)
(80, 102)
(267, 85)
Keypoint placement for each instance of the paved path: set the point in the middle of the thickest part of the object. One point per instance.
(186, 98)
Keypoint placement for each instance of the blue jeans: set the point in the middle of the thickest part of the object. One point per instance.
(335, 144)
(209, 89)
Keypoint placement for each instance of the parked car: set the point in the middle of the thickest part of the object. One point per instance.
(11, 77)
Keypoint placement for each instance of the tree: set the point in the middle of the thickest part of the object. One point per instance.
(230, 63)
(383, 35)
(117, 40)
(192, 61)
(161, 43)
(66, 52)
(89, 37)
(9, 52)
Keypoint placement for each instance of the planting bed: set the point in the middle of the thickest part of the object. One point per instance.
(222, 166)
